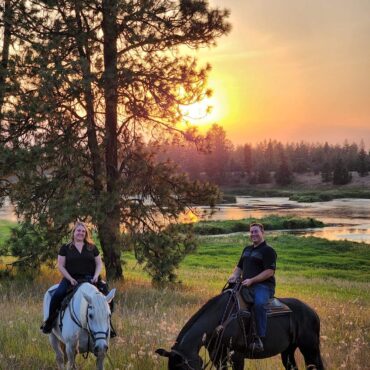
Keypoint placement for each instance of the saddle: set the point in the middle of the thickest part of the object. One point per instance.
(101, 285)
(274, 306)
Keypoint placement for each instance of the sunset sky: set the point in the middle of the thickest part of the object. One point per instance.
(293, 70)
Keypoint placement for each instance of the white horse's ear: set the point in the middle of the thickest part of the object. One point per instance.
(87, 297)
(110, 295)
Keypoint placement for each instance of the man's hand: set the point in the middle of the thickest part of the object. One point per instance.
(73, 281)
(247, 282)
(232, 279)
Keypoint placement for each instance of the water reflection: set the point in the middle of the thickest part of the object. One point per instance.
(350, 218)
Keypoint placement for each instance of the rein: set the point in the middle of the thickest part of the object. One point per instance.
(218, 333)
(94, 335)
(185, 361)
(227, 317)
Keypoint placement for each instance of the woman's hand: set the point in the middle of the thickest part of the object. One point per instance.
(95, 279)
(73, 281)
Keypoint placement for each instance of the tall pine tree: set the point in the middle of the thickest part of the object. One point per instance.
(95, 80)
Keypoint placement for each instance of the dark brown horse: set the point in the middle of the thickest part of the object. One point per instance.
(220, 327)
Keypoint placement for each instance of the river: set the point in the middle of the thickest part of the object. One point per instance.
(348, 219)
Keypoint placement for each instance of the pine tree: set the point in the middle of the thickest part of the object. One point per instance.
(284, 175)
(341, 175)
(248, 159)
(94, 79)
(362, 163)
(326, 172)
(216, 162)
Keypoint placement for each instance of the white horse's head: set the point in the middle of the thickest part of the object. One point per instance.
(98, 319)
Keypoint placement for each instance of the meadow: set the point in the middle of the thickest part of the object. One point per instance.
(332, 277)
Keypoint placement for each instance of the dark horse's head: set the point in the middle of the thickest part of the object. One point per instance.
(179, 361)
(184, 354)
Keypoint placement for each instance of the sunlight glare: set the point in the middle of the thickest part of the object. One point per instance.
(204, 113)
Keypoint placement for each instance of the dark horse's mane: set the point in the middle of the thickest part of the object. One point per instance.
(196, 316)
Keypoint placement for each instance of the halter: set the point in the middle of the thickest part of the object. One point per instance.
(95, 335)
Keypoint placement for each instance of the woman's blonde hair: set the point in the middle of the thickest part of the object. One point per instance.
(88, 237)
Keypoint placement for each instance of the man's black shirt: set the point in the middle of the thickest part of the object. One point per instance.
(254, 260)
(79, 264)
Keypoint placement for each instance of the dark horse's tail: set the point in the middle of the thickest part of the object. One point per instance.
(320, 363)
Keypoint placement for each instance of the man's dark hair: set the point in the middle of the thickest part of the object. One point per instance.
(258, 225)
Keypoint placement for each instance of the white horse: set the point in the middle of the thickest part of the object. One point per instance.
(84, 327)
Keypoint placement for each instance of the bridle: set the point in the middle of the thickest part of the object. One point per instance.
(217, 334)
(95, 335)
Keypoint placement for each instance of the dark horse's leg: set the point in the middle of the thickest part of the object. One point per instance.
(310, 348)
(238, 361)
(288, 358)
(306, 333)
(311, 354)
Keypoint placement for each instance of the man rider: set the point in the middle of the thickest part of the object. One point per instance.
(257, 266)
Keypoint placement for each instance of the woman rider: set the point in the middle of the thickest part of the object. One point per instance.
(78, 260)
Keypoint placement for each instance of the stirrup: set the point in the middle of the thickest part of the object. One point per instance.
(256, 345)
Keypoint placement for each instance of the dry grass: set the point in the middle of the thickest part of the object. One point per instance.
(147, 318)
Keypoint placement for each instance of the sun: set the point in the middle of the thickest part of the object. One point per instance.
(203, 113)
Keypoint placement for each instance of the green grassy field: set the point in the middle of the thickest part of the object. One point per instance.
(5, 230)
(333, 277)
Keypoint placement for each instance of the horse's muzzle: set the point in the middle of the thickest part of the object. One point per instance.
(100, 349)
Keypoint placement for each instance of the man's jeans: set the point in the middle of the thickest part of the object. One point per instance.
(261, 294)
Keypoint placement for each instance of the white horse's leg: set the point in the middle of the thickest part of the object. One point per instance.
(55, 343)
(71, 355)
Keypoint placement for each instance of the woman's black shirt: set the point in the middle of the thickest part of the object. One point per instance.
(79, 264)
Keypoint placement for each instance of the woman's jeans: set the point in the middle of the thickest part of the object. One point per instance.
(58, 296)
(261, 294)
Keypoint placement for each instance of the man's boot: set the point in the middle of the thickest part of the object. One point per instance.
(256, 345)
(113, 333)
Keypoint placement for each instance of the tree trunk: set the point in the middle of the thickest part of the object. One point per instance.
(7, 19)
(110, 227)
(109, 241)
(92, 140)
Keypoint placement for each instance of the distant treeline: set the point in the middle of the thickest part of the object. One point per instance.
(268, 161)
